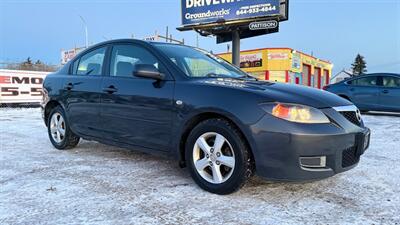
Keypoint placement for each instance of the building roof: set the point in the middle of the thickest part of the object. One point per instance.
(343, 72)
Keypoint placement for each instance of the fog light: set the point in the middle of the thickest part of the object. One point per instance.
(313, 162)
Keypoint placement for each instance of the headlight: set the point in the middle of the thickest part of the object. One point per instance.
(295, 113)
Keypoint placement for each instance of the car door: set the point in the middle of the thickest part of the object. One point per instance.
(364, 92)
(136, 110)
(82, 92)
(389, 93)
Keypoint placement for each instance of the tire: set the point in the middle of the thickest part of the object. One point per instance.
(231, 176)
(60, 135)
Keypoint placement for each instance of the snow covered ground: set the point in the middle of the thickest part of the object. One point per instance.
(98, 184)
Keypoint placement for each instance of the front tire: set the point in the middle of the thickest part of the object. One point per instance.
(59, 131)
(218, 157)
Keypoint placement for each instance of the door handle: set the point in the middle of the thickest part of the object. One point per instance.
(351, 89)
(68, 86)
(111, 89)
(385, 91)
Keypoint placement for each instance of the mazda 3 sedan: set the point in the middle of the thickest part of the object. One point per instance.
(371, 92)
(188, 104)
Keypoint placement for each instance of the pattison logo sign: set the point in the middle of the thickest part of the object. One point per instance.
(197, 12)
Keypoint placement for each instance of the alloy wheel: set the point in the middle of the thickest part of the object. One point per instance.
(213, 157)
(57, 127)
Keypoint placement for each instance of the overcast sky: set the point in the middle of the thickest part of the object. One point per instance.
(334, 30)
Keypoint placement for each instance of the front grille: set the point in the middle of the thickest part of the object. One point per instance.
(350, 157)
(351, 116)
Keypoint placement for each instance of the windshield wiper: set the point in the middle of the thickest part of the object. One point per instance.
(214, 75)
(247, 76)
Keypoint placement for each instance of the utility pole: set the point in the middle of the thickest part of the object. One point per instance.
(166, 35)
(236, 48)
(86, 32)
(197, 39)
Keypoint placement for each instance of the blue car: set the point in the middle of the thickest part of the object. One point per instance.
(370, 92)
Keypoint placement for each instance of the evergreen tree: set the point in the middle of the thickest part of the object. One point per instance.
(26, 65)
(38, 62)
(359, 66)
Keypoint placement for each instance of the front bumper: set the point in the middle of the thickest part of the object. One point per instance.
(282, 147)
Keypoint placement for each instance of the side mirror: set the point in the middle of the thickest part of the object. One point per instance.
(148, 71)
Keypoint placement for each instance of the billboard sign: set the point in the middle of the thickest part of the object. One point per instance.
(152, 38)
(278, 56)
(296, 61)
(18, 86)
(67, 55)
(251, 60)
(198, 12)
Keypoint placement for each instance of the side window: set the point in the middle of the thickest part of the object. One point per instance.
(391, 82)
(125, 57)
(365, 81)
(91, 63)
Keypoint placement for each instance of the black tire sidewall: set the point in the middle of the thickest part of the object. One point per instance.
(238, 176)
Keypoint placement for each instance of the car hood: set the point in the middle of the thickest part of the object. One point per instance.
(286, 93)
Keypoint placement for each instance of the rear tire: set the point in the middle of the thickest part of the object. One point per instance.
(59, 131)
(217, 156)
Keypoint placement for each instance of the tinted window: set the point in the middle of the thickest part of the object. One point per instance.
(365, 81)
(391, 82)
(125, 57)
(91, 63)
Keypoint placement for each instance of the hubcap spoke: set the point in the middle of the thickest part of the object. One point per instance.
(227, 161)
(216, 173)
(58, 136)
(201, 142)
(53, 130)
(56, 120)
(219, 142)
(53, 121)
(201, 164)
(62, 131)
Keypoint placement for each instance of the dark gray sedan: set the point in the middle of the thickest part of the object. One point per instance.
(371, 92)
(194, 107)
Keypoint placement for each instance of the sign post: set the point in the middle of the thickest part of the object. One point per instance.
(236, 48)
(233, 20)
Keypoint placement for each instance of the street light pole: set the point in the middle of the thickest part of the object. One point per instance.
(86, 32)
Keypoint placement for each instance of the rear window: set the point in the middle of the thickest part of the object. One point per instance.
(391, 82)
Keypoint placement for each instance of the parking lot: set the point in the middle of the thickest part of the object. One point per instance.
(98, 184)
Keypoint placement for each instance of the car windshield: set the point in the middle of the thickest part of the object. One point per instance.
(198, 63)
